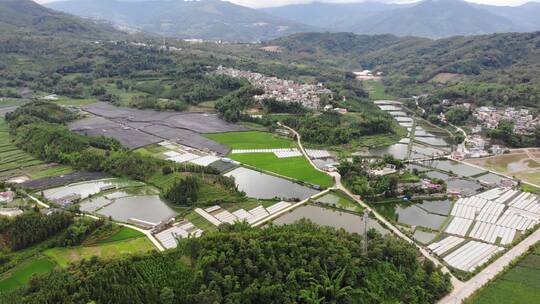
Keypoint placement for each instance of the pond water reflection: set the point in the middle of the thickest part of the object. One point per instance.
(264, 186)
(328, 217)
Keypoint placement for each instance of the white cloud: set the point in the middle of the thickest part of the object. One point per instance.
(269, 3)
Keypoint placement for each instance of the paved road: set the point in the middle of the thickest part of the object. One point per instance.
(464, 291)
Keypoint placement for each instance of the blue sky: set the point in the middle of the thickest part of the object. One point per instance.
(267, 3)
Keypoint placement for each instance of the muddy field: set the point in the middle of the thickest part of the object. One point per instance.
(521, 163)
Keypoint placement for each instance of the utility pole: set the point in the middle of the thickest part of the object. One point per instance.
(365, 218)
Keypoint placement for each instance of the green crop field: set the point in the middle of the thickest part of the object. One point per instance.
(123, 234)
(16, 162)
(340, 200)
(12, 157)
(251, 140)
(22, 274)
(64, 256)
(376, 90)
(293, 167)
(518, 285)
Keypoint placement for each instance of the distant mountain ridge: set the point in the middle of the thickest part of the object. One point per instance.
(204, 19)
(429, 18)
(26, 15)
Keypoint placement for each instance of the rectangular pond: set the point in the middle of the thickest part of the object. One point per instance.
(84, 189)
(464, 186)
(264, 186)
(328, 217)
(410, 214)
(149, 208)
(94, 203)
(399, 151)
(454, 167)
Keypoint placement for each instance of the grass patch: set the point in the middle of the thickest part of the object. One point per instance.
(55, 170)
(109, 250)
(123, 234)
(251, 140)
(19, 276)
(376, 90)
(529, 188)
(297, 168)
(338, 199)
(200, 222)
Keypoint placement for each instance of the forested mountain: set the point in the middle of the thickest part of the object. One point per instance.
(434, 19)
(206, 19)
(331, 16)
(502, 68)
(300, 263)
(526, 15)
(28, 16)
(429, 18)
(419, 57)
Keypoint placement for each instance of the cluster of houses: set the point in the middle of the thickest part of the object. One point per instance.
(309, 95)
(489, 117)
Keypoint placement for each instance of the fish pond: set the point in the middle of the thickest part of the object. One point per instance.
(428, 213)
(332, 218)
(264, 186)
(149, 208)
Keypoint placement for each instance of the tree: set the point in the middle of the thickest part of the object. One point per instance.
(184, 192)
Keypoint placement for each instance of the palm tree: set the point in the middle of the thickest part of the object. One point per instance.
(328, 289)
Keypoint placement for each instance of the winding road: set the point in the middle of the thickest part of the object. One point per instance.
(461, 290)
(339, 186)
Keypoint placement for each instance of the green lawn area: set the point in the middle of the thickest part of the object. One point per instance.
(293, 167)
(55, 170)
(338, 199)
(200, 222)
(376, 90)
(251, 140)
(123, 234)
(528, 188)
(108, 250)
(520, 284)
(22, 274)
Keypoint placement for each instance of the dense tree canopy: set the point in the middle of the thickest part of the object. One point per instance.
(301, 263)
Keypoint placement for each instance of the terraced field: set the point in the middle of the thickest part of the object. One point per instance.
(13, 158)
